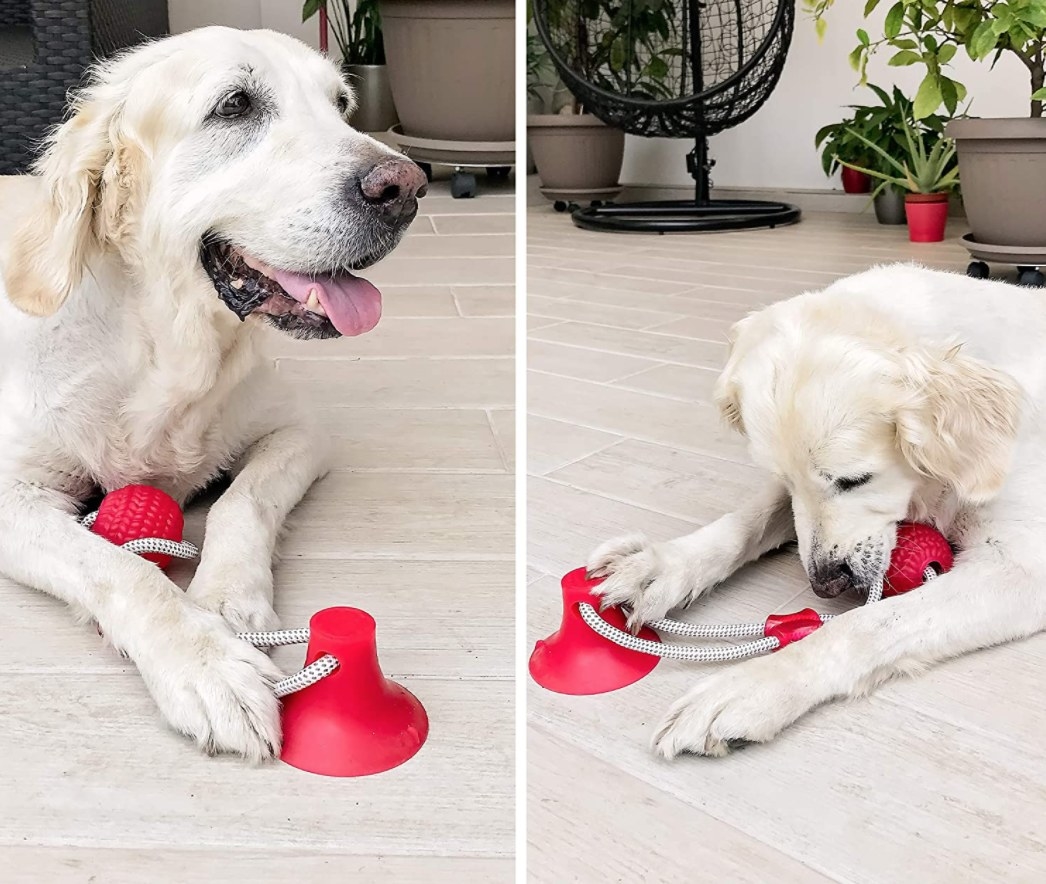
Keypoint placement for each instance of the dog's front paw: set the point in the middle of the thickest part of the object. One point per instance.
(648, 578)
(213, 687)
(750, 702)
(240, 593)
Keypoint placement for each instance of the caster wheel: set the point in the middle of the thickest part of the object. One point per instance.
(1032, 277)
(463, 185)
(559, 206)
(978, 270)
(427, 169)
(498, 173)
(597, 204)
(572, 207)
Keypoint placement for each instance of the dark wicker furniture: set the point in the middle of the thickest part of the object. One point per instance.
(677, 69)
(45, 46)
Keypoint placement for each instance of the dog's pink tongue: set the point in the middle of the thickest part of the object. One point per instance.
(352, 304)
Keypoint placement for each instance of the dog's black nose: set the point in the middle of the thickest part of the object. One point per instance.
(831, 578)
(393, 188)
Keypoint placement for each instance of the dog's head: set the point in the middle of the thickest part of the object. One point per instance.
(865, 427)
(224, 159)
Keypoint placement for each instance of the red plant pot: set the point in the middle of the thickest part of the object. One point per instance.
(856, 182)
(927, 215)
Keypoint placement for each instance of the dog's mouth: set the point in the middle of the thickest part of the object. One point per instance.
(306, 305)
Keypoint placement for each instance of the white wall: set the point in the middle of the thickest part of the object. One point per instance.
(277, 15)
(774, 149)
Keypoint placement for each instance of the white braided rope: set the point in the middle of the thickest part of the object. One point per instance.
(697, 653)
(308, 676)
(691, 653)
(318, 669)
(179, 549)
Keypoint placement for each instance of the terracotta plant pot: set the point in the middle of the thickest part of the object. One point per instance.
(452, 67)
(375, 110)
(578, 156)
(927, 216)
(856, 182)
(1002, 166)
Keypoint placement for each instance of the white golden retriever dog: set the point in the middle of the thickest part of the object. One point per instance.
(899, 393)
(204, 188)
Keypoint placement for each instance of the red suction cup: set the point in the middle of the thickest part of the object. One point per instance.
(137, 511)
(355, 721)
(918, 547)
(576, 660)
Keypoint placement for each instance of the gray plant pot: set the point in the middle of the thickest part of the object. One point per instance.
(1002, 167)
(889, 207)
(577, 155)
(375, 110)
(452, 67)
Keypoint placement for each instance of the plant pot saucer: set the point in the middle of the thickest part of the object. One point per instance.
(1023, 256)
(581, 194)
(455, 153)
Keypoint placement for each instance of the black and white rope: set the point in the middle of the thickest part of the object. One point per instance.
(700, 654)
(142, 545)
(311, 674)
(314, 672)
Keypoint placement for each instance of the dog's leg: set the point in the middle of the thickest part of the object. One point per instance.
(208, 684)
(234, 577)
(652, 578)
(985, 600)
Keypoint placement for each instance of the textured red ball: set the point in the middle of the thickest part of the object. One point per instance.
(918, 547)
(137, 511)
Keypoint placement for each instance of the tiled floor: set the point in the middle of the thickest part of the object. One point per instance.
(937, 779)
(415, 525)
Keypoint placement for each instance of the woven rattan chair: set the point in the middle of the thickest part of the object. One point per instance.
(45, 46)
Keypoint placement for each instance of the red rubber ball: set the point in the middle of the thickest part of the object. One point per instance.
(918, 548)
(136, 511)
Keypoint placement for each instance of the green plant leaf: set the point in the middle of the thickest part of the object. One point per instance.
(928, 98)
(894, 20)
(1039, 95)
(946, 53)
(862, 36)
(855, 58)
(903, 58)
(982, 41)
(869, 7)
(310, 8)
(820, 26)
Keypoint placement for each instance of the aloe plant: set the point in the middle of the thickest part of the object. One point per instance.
(921, 171)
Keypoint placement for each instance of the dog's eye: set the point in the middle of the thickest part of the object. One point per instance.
(851, 482)
(343, 104)
(235, 104)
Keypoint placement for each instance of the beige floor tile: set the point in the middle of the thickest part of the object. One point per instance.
(403, 383)
(649, 345)
(581, 362)
(553, 444)
(474, 224)
(486, 300)
(444, 271)
(503, 423)
(675, 381)
(601, 314)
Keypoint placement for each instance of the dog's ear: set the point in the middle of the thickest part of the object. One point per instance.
(727, 390)
(84, 175)
(959, 420)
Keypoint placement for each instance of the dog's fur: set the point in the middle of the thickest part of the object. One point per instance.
(121, 364)
(899, 393)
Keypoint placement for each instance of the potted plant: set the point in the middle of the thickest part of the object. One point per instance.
(840, 147)
(1002, 161)
(452, 69)
(359, 39)
(577, 156)
(882, 124)
(927, 174)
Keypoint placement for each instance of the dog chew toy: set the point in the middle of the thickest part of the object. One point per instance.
(592, 653)
(341, 716)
